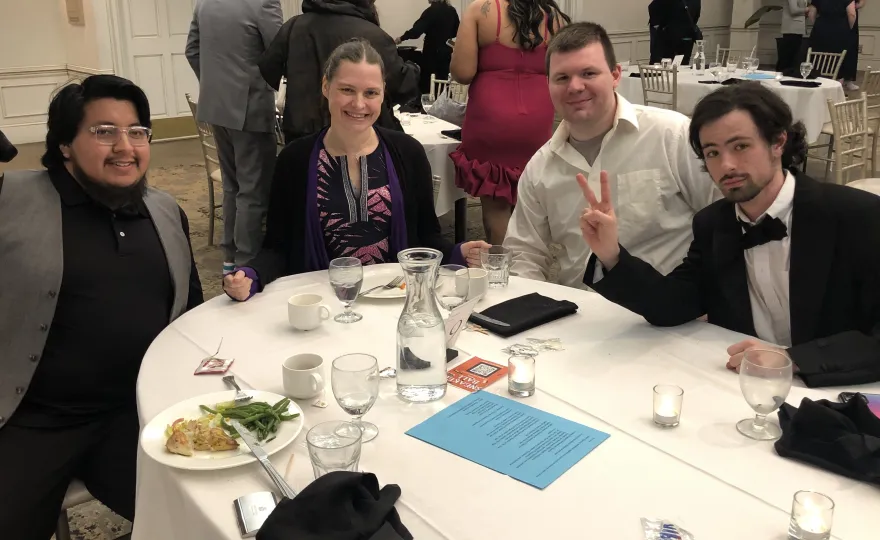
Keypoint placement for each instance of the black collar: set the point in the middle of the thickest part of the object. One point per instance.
(72, 194)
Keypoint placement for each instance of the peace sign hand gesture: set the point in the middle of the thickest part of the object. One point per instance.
(598, 222)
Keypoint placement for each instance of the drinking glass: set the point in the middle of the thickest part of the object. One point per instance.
(666, 63)
(731, 66)
(334, 447)
(811, 516)
(346, 277)
(355, 383)
(806, 69)
(746, 64)
(496, 261)
(714, 69)
(765, 380)
(428, 103)
(754, 63)
(451, 287)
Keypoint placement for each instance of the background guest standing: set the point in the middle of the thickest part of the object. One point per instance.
(794, 24)
(439, 23)
(500, 51)
(225, 41)
(833, 22)
(675, 28)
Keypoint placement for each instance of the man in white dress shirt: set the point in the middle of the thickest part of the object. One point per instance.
(657, 185)
(784, 258)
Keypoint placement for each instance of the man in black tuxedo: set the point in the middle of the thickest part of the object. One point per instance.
(782, 257)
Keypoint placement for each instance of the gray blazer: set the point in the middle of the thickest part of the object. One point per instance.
(226, 39)
(793, 17)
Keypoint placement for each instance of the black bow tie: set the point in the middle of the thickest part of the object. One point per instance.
(770, 229)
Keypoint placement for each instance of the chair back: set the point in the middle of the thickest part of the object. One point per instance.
(458, 92)
(725, 55)
(826, 63)
(849, 120)
(206, 138)
(660, 86)
(438, 85)
(871, 88)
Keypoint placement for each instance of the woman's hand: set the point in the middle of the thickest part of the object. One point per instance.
(237, 285)
(471, 252)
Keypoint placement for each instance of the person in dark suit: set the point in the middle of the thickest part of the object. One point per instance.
(782, 257)
(439, 23)
(673, 26)
(8, 151)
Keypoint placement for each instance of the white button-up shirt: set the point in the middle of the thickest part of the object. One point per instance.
(767, 268)
(657, 185)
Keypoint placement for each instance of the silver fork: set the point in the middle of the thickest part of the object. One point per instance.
(390, 285)
(240, 397)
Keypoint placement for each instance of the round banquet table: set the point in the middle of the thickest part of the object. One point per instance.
(426, 129)
(809, 105)
(703, 475)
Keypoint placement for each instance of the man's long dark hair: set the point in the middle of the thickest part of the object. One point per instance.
(67, 109)
(769, 112)
(527, 16)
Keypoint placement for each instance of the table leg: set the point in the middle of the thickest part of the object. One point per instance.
(461, 220)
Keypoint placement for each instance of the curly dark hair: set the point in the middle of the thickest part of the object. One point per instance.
(527, 16)
(769, 112)
(67, 109)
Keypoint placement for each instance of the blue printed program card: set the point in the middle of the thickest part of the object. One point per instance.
(522, 442)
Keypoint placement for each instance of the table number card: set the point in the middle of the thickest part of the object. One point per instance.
(677, 60)
(457, 321)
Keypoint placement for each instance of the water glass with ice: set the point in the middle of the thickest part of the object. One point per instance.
(334, 446)
(496, 261)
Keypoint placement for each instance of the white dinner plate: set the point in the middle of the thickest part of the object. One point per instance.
(153, 436)
(374, 277)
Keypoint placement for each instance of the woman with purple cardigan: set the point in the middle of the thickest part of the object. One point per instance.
(352, 190)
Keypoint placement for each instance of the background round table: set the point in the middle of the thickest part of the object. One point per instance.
(809, 105)
(426, 129)
(702, 475)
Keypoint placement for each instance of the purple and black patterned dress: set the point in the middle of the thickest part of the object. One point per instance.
(355, 223)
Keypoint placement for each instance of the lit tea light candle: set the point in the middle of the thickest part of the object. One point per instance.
(521, 375)
(667, 405)
(811, 516)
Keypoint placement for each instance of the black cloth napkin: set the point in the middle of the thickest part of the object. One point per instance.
(525, 313)
(802, 84)
(708, 82)
(453, 133)
(840, 437)
(795, 71)
(338, 506)
(728, 82)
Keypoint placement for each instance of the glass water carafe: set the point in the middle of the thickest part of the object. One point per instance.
(699, 59)
(421, 334)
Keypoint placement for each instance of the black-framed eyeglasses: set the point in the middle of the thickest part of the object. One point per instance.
(110, 135)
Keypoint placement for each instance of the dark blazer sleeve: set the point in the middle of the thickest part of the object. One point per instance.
(7, 150)
(273, 62)
(282, 251)
(420, 27)
(851, 357)
(401, 78)
(196, 296)
(662, 300)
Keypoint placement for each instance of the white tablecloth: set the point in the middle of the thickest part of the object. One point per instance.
(702, 475)
(809, 105)
(438, 147)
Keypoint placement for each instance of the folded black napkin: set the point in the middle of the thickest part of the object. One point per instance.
(708, 82)
(639, 75)
(795, 71)
(802, 84)
(453, 133)
(841, 437)
(728, 82)
(524, 313)
(338, 506)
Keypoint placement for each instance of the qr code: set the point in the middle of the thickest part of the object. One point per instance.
(483, 370)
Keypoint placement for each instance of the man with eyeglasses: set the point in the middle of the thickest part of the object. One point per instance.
(97, 264)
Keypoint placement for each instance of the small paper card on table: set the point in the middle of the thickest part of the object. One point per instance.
(475, 374)
(457, 321)
(677, 60)
(522, 442)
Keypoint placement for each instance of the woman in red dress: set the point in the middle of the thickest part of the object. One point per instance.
(500, 51)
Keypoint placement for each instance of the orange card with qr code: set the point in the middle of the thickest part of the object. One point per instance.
(475, 374)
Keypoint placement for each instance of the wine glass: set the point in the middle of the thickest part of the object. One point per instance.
(355, 382)
(806, 69)
(346, 277)
(451, 286)
(427, 104)
(754, 63)
(765, 380)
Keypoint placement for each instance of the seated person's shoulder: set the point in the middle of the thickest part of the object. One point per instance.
(403, 142)
(297, 148)
(850, 204)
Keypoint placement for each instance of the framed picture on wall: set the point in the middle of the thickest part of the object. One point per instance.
(75, 13)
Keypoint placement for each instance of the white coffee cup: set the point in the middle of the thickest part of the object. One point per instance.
(302, 375)
(306, 312)
(478, 282)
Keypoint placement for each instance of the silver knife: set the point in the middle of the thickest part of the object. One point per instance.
(490, 320)
(248, 438)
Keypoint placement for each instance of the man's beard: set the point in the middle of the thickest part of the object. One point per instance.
(748, 191)
(113, 197)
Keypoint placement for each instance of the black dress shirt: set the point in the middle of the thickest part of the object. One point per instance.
(116, 296)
